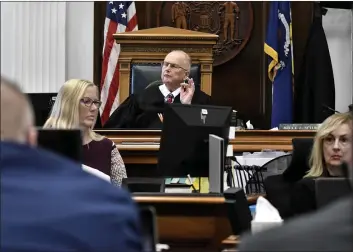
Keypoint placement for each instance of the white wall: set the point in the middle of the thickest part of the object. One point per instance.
(45, 43)
(79, 40)
(338, 25)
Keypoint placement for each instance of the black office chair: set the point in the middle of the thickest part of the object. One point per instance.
(278, 187)
(299, 165)
(148, 74)
(148, 219)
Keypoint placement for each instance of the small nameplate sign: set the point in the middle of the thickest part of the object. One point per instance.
(298, 126)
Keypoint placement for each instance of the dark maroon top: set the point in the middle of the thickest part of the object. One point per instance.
(98, 155)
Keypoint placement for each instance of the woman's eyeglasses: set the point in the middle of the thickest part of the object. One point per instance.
(88, 102)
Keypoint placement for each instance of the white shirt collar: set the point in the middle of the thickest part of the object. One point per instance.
(164, 90)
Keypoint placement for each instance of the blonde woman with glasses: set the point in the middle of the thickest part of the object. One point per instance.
(76, 106)
(332, 146)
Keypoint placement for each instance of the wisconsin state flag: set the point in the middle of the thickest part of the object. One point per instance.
(279, 48)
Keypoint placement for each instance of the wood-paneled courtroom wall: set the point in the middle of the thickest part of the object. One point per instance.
(240, 82)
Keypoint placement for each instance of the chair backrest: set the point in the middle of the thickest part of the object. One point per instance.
(155, 83)
(278, 193)
(299, 165)
(149, 228)
(144, 74)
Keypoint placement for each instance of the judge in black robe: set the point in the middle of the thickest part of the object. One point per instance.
(141, 110)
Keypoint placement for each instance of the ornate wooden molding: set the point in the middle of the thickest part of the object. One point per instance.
(166, 50)
(165, 33)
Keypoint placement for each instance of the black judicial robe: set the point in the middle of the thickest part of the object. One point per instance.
(314, 85)
(141, 110)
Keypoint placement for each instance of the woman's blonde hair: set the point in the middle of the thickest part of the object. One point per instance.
(65, 111)
(316, 161)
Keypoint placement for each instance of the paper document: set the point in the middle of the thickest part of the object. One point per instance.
(96, 173)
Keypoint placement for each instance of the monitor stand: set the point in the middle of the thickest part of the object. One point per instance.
(216, 164)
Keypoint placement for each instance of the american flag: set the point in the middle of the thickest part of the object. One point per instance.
(120, 17)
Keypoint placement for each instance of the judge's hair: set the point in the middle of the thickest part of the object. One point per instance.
(316, 161)
(17, 114)
(65, 111)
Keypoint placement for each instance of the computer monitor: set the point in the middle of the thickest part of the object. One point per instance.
(65, 142)
(328, 190)
(42, 104)
(184, 144)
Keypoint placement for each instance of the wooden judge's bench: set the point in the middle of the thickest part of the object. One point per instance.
(141, 146)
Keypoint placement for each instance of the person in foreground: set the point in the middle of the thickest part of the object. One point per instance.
(329, 229)
(48, 203)
(332, 146)
(145, 110)
(76, 106)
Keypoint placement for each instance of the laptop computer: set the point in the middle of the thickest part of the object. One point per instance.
(64, 142)
(328, 190)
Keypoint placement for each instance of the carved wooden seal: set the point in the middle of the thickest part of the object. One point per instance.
(231, 21)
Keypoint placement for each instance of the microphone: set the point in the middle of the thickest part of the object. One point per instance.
(329, 108)
(350, 107)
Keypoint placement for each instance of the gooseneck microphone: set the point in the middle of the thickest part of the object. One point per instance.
(329, 108)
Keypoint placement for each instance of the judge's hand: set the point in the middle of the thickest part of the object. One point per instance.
(187, 91)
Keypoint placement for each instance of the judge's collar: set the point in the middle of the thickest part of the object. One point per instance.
(165, 91)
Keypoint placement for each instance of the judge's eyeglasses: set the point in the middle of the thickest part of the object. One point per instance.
(88, 102)
(172, 65)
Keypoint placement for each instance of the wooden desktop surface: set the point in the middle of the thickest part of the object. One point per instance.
(191, 222)
(188, 199)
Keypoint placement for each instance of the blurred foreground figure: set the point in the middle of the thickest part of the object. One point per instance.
(49, 203)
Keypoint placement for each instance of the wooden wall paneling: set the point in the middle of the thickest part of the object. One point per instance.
(302, 15)
(238, 83)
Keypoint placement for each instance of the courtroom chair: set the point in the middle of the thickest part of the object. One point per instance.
(278, 193)
(148, 74)
(149, 227)
(299, 165)
(155, 83)
(278, 187)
